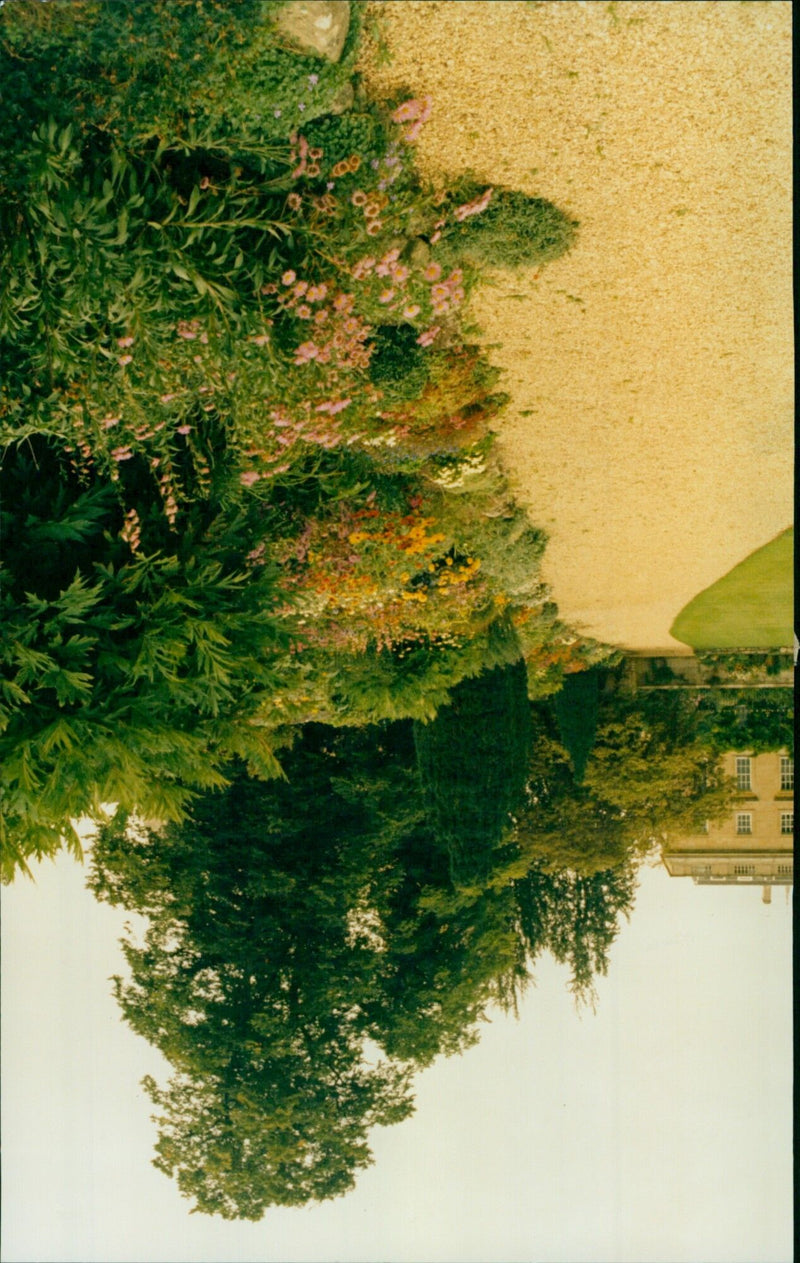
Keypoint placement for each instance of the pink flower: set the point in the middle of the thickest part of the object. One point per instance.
(108, 422)
(205, 182)
(289, 278)
(405, 112)
(123, 342)
(432, 272)
(305, 352)
(317, 292)
(427, 337)
(124, 359)
(386, 296)
(167, 398)
(440, 293)
(363, 268)
(184, 429)
(333, 408)
(400, 275)
(261, 339)
(344, 302)
(300, 289)
(247, 479)
(321, 316)
(304, 312)
(411, 311)
(122, 453)
(436, 237)
(473, 208)
(418, 108)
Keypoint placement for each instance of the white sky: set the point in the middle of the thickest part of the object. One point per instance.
(659, 1129)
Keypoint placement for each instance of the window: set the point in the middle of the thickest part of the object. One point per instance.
(785, 870)
(744, 870)
(744, 822)
(743, 778)
(787, 822)
(787, 773)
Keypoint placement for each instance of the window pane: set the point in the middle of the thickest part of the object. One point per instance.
(787, 773)
(743, 773)
(744, 822)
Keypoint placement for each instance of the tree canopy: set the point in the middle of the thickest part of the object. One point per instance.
(296, 925)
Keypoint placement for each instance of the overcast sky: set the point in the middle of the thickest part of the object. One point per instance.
(659, 1129)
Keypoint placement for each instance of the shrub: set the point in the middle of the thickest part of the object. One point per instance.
(576, 708)
(398, 361)
(162, 68)
(123, 676)
(340, 136)
(512, 231)
(473, 761)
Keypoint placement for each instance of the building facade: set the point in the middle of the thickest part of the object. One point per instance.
(754, 845)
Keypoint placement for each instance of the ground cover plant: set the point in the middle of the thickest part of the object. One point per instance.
(748, 608)
(230, 322)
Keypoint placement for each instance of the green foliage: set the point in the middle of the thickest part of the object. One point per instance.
(650, 775)
(750, 719)
(575, 917)
(360, 132)
(362, 936)
(398, 361)
(268, 1049)
(162, 69)
(576, 708)
(224, 388)
(513, 231)
(125, 678)
(473, 761)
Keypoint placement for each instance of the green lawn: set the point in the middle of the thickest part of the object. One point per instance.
(748, 608)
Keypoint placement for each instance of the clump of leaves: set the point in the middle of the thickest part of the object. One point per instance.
(398, 362)
(504, 228)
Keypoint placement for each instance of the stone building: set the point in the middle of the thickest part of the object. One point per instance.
(754, 845)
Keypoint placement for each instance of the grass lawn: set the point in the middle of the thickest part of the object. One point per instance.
(748, 608)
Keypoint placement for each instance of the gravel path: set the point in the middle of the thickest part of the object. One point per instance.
(650, 368)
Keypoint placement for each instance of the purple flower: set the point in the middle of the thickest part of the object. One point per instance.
(278, 113)
(330, 185)
(312, 79)
(301, 106)
(375, 164)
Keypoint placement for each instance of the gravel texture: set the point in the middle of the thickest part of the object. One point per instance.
(650, 368)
